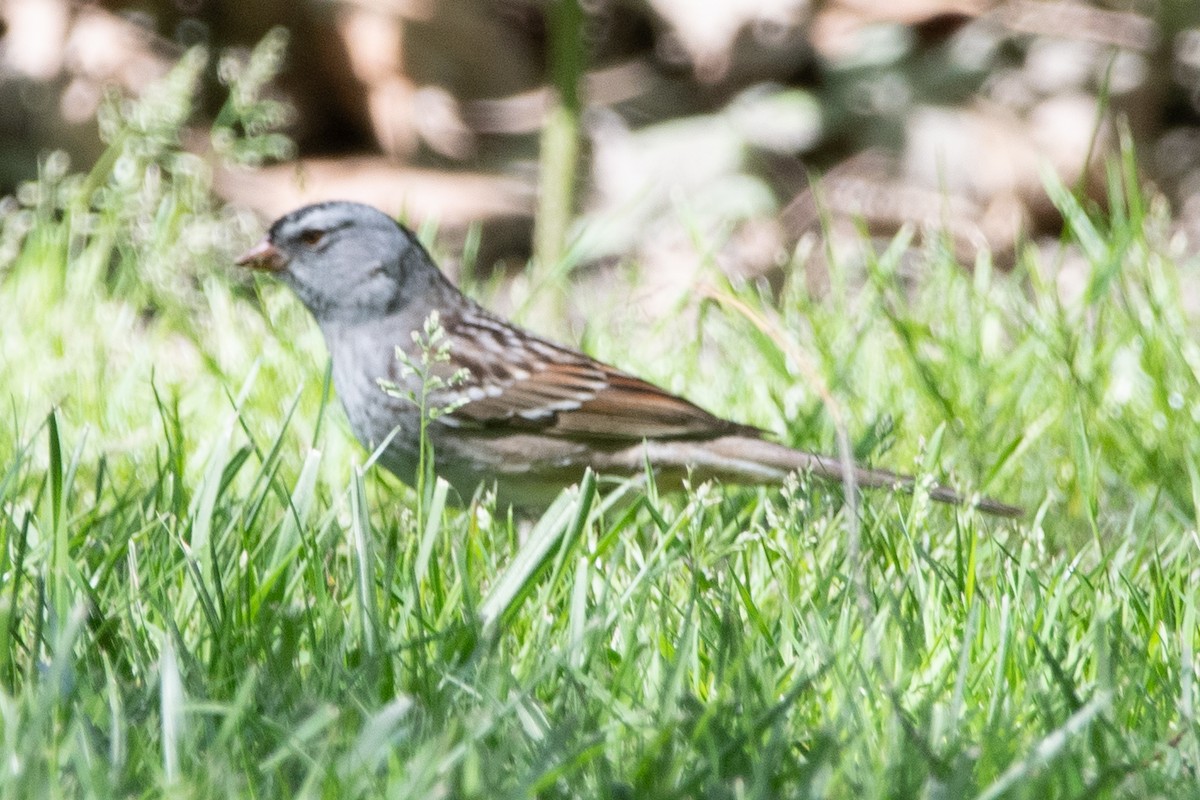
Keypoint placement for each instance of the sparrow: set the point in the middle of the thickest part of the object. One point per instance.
(514, 411)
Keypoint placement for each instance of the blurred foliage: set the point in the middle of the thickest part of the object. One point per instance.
(142, 223)
(246, 128)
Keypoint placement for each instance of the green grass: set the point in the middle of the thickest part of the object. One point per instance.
(203, 593)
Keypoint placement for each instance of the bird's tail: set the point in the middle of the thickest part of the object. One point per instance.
(742, 459)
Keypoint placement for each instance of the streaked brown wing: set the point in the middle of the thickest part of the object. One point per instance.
(520, 382)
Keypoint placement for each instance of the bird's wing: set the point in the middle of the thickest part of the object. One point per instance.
(519, 382)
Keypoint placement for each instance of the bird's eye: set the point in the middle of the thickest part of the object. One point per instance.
(312, 237)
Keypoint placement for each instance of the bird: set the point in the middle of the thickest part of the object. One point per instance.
(516, 412)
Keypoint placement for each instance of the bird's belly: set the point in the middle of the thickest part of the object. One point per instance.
(526, 470)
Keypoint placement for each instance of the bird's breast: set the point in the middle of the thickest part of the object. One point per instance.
(363, 356)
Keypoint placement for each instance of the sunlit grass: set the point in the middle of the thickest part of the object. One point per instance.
(201, 589)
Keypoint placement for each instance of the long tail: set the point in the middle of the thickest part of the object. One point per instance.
(742, 459)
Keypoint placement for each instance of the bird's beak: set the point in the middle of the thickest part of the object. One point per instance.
(264, 256)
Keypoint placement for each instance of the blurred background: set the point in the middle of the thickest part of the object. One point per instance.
(942, 115)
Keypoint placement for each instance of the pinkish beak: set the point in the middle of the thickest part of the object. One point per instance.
(264, 256)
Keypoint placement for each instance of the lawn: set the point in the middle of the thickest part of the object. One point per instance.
(206, 590)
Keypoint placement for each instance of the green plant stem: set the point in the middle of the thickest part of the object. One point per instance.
(560, 144)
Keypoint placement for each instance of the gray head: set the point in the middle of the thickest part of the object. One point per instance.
(346, 261)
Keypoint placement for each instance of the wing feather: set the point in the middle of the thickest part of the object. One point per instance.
(520, 382)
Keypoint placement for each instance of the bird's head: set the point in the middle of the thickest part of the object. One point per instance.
(346, 261)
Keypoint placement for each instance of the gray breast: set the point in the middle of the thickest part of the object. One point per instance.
(362, 355)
